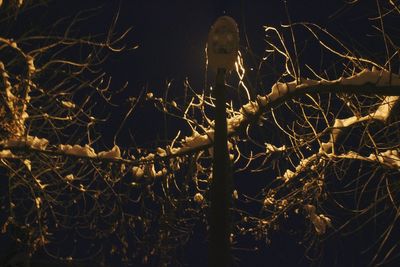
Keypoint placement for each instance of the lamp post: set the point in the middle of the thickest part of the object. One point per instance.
(222, 52)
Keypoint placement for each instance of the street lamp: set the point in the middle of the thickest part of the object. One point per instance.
(222, 52)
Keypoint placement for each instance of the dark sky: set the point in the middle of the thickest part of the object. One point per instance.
(171, 34)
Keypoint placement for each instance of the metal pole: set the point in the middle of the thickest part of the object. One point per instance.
(220, 228)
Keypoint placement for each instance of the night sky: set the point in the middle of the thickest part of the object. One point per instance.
(171, 35)
(171, 38)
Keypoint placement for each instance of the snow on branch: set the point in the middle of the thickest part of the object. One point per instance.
(77, 150)
(388, 158)
(6, 154)
(114, 153)
(41, 145)
(379, 82)
(197, 140)
(28, 141)
(382, 113)
(89, 152)
(319, 221)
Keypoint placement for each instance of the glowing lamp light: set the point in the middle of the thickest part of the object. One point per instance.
(223, 44)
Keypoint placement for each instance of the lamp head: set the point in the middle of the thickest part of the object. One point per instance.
(223, 44)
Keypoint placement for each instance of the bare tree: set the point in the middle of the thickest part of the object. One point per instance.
(56, 188)
(324, 144)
